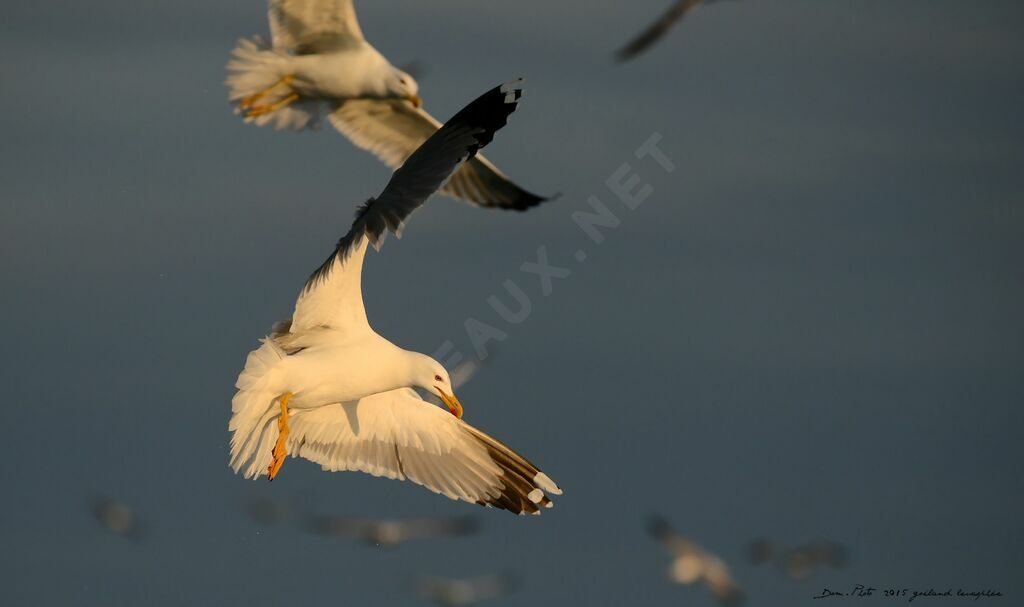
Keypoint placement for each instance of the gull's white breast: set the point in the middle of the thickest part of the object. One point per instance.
(346, 371)
(353, 72)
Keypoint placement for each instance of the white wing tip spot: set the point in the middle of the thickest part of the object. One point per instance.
(544, 482)
(535, 496)
(511, 89)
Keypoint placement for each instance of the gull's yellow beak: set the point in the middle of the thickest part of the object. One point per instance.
(415, 100)
(454, 406)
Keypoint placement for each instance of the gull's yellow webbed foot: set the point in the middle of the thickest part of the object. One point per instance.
(268, 108)
(280, 452)
(250, 100)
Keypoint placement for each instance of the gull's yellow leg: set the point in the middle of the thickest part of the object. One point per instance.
(282, 427)
(267, 108)
(249, 100)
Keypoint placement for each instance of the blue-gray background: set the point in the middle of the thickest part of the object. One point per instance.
(811, 329)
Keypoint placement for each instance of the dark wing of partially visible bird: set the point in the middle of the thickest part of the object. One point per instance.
(659, 28)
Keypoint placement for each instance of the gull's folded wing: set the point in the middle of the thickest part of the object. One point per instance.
(392, 129)
(304, 26)
(399, 436)
(332, 296)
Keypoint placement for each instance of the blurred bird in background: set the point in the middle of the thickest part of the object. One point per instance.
(692, 564)
(388, 533)
(266, 511)
(118, 518)
(467, 591)
(800, 562)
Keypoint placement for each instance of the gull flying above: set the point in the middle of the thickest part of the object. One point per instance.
(342, 395)
(691, 563)
(319, 58)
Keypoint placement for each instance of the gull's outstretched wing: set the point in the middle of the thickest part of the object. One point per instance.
(392, 129)
(399, 436)
(332, 296)
(308, 26)
(659, 28)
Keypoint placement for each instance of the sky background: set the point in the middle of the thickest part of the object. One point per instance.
(811, 329)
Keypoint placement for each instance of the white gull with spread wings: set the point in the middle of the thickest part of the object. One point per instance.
(341, 395)
(319, 57)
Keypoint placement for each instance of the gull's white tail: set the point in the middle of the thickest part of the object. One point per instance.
(256, 69)
(253, 409)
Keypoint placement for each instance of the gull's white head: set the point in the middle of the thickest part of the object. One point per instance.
(432, 377)
(404, 86)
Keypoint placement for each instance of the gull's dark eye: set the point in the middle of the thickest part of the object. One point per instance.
(438, 378)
